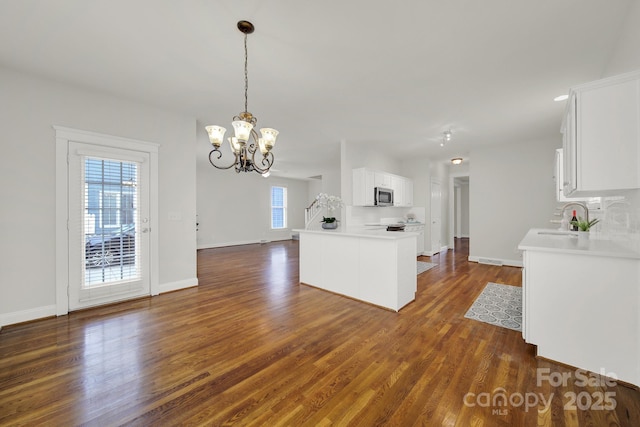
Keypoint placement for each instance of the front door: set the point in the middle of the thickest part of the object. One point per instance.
(108, 224)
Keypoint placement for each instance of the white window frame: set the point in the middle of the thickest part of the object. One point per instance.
(285, 221)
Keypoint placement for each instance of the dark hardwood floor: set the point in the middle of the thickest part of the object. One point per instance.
(250, 346)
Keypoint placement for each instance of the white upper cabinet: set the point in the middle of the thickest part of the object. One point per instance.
(559, 178)
(366, 180)
(363, 187)
(382, 180)
(601, 137)
(397, 185)
(408, 192)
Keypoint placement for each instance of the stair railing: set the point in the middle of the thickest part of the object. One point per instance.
(311, 213)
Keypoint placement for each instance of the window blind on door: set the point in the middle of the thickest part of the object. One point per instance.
(111, 226)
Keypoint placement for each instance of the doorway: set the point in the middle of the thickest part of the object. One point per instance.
(107, 198)
(459, 207)
(436, 217)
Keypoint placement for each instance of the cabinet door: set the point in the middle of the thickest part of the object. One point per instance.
(397, 185)
(569, 148)
(559, 178)
(408, 192)
(382, 180)
(601, 137)
(608, 137)
(363, 187)
(420, 241)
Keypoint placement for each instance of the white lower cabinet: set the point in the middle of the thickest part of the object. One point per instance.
(582, 310)
(379, 269)
(417, 228)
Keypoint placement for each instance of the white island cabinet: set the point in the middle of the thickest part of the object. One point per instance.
(581, 301)
(377, 267)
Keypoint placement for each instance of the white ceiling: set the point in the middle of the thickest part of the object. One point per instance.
(390, 74)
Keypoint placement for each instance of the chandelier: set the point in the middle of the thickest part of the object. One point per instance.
(446, 137)
(246, 142)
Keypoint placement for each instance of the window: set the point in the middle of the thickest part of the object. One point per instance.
(110, 218)
(278, 208)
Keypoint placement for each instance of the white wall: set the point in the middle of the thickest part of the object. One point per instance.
(464, 209)
(235, 208)
(440, 172)
(30, 106)
(314, 187)
(511, 191)
(419, 169)
(626, 55)
(625, 58)
(461, 207)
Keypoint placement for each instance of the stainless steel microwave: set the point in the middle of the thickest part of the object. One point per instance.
(383, 196)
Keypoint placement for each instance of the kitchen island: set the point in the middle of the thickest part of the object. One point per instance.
(581, 299)
(374, 266)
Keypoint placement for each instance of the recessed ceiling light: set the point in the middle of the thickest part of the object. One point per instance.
(561, 98)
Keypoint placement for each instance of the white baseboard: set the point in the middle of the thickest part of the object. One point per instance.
(50, 310)
(239, 243)
(223, 244)
(27, 315)
(180, 284)
(432, 253)
(496, 261)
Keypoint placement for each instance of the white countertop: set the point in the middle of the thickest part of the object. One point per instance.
(546, 240)
(360, 232)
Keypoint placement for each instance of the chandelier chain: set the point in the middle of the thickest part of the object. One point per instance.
(246, 75)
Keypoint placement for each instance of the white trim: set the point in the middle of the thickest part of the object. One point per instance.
(64, 136)
(452, 177)
(27, 315)
(180, 284)
(240, 243)
(505, 262)
(89, 137)
(432, 253)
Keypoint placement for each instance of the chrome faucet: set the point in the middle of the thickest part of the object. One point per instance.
(582, 205)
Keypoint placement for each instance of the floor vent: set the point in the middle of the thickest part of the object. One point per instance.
(489, 261)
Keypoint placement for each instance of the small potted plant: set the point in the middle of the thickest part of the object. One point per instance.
(584, 226)
(329, 222)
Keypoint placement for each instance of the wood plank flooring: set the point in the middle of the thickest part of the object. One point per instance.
(250, 346)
